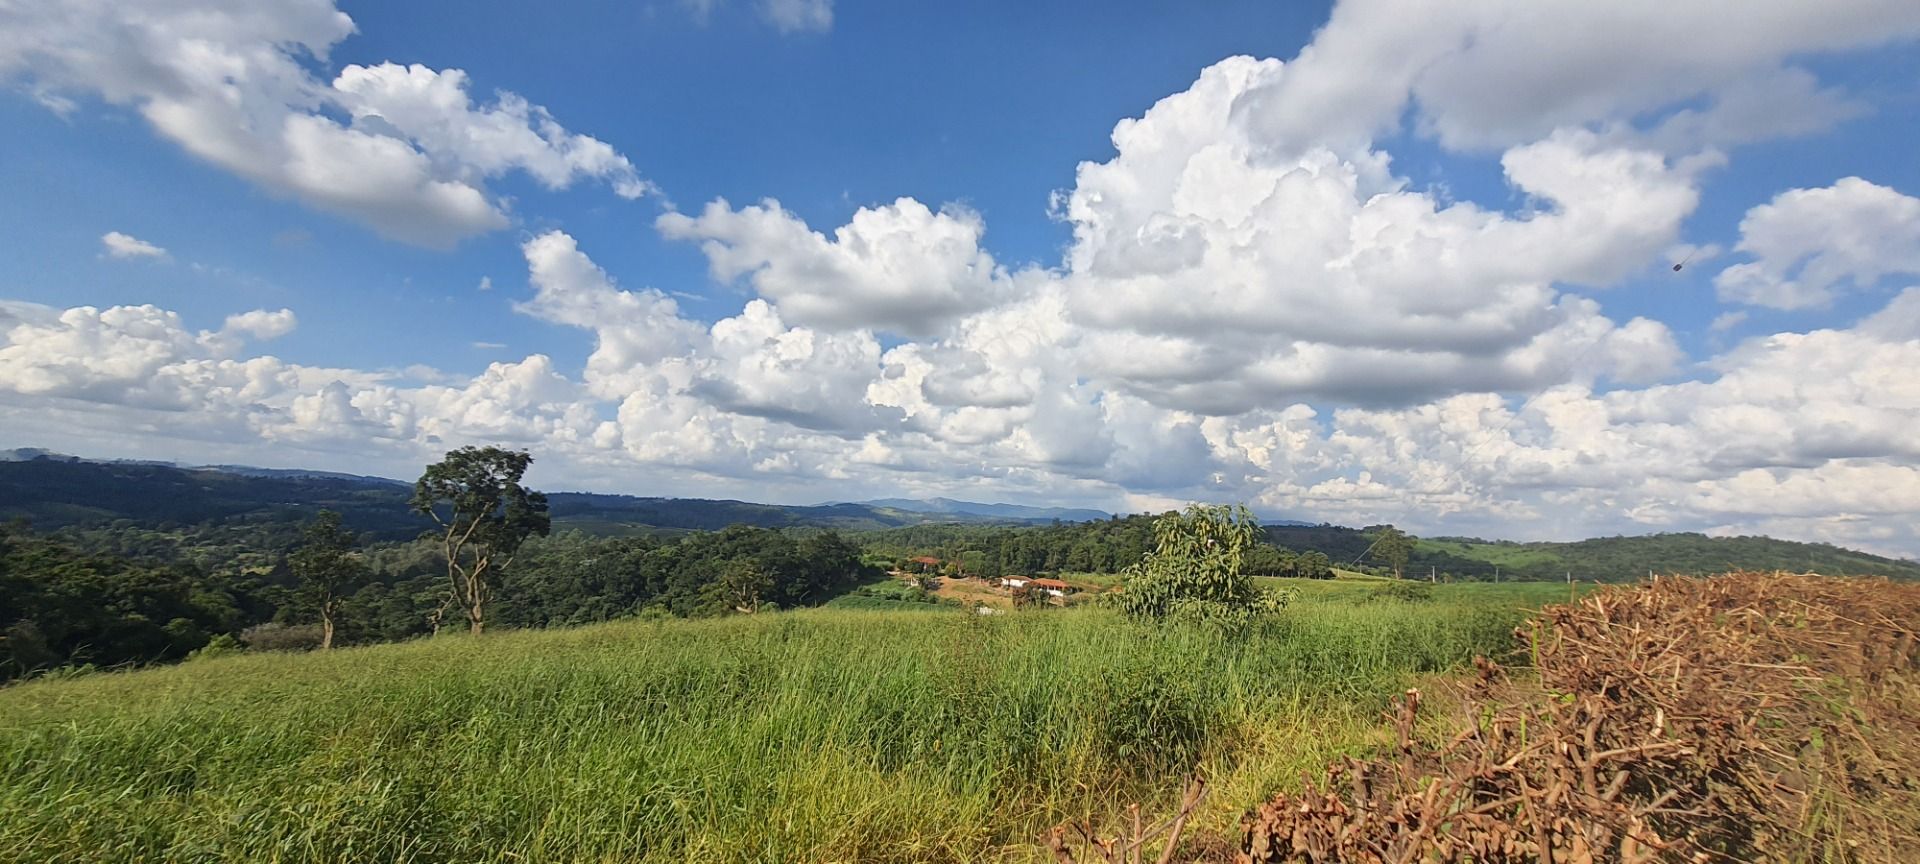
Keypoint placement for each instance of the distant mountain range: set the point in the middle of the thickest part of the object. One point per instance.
(1016, 512)
(54, 491)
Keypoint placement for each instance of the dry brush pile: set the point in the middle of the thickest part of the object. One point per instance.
(1746, 717)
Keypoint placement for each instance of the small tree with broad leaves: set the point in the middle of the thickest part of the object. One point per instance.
(484, 514)
(1195, 569)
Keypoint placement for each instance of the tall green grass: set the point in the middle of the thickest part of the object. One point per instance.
(817, 735)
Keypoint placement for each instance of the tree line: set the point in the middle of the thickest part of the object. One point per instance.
(1101, 546)
(489, 562)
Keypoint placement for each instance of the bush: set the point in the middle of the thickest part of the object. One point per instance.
(68, 673)
(655, 614)
(219, 646)
(281, 637)
(1196, 572)
(1404, 592)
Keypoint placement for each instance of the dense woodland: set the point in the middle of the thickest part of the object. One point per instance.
(62, 606)
(1101, 546)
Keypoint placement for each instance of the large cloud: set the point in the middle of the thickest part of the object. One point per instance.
(901, 267)
(1218, 278)
(1811, 244)
(1253, 306)
(229, 81)
(1494, 73)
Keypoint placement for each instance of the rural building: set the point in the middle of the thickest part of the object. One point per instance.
(924, 564)
(1015, 581)
(1052, 587)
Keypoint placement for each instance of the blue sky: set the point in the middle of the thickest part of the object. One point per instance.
(1411, 268)
(988, 106)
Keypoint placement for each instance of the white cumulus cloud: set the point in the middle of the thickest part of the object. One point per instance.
(229, 81)
(1809, 245)
(118, 245)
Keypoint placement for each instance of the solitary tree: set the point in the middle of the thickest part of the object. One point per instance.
(1394, 547)
(1196, 568)
(326, 569)
(484, 514)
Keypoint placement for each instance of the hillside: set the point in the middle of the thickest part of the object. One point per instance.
(261, 509)
(1020, 512)
(1604, 559)
(54, 493)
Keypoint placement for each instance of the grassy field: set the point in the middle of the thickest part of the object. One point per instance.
(815, 735)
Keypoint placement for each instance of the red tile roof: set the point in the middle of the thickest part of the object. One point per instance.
(1050, 583)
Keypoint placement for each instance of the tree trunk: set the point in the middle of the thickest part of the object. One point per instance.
(326, 629)
(476, 619)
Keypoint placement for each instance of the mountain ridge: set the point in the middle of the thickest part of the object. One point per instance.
(54, 491)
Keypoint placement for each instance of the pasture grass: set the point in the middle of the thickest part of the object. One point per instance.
(811, 735)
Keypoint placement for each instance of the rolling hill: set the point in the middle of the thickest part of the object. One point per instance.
(1600, 558)
(53, 492)
(1017, 512)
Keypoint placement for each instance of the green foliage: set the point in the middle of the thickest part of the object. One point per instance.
(991, 551)
(1602, 559)
(219, 646)
(744, 586)
(326, 570)
(1264, 559)
(61, 607)
(1405, 591)
(817, 735)
(1196, 571)
(488, 515)
(888, 593)
(1392, 547)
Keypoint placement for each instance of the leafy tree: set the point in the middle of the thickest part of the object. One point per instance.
(1263, 559)
(1196, 568)
(488, 515)
(1394, 547)
(745, 585)
(325, 566)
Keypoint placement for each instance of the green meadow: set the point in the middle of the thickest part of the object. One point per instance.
(812, 735)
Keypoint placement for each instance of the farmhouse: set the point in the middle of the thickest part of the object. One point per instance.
(1052, 587)
(1015, 581)
(924, 564)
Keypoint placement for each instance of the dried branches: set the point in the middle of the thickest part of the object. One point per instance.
(1739, 718)
(1130, 846)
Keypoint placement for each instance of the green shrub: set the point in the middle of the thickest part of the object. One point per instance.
(1196, 572)
(219, 646)
(1404, 591)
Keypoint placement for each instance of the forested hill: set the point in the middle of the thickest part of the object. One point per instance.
(57, 493)
(1105, 546)
(1600, 558)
